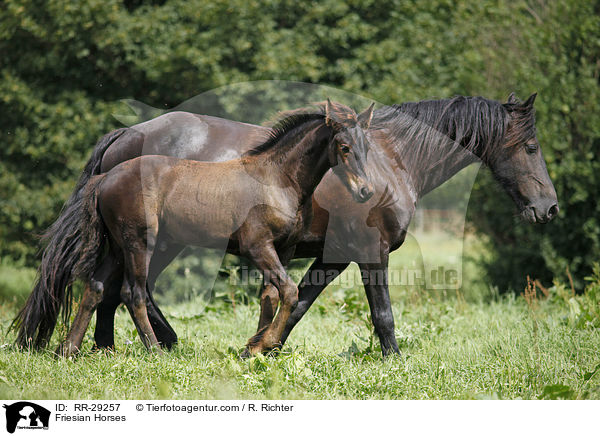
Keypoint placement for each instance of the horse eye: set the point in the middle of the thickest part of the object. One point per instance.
(345, 148)
(531, 148)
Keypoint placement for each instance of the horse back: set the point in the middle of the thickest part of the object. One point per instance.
(186, 136)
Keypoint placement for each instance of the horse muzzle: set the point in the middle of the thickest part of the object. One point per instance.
(541, 213)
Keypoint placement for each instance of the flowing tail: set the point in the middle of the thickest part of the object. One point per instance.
(68, 255)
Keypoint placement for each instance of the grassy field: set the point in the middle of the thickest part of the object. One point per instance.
(478, 347)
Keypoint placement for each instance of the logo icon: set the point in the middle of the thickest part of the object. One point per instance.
(26, 415)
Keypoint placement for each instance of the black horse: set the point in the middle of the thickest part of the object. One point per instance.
(422, 145)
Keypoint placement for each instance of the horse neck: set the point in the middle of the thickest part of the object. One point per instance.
(441, 170)
(430, 156)
(306, 161)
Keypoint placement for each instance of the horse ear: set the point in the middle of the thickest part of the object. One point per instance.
(328, 112)
(512, 99)
(529, 102)
(331, 118)
(365, 117)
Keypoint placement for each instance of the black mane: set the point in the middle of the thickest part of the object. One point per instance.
(433, 139)
(477, 124)
(281, 128)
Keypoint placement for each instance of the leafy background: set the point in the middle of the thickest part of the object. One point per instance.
(64, 67)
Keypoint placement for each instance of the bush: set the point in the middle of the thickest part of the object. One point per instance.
(559, 60)
(66, 65)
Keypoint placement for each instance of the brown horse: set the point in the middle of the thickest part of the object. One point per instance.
(422, 145)
(258, 206)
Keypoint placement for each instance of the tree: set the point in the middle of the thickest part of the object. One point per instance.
(65, 66)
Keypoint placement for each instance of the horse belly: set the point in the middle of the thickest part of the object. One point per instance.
(204, 210)
(201, 222)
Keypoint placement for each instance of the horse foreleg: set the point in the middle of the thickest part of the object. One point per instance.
(269, 296)
(375, 280)
(269, 300)
(315, 280)
(267, 260)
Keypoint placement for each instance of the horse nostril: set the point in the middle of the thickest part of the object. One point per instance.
(365, 192)
(553, 211)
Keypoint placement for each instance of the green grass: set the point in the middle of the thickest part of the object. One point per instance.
(452, 348)
(15, 281)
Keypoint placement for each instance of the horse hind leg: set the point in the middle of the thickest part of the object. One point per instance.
(105, 313)
(134, 297)
(92, 296)
(104, 334)
(161, 258)
(133, 292)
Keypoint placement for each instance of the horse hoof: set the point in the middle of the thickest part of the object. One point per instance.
(66, 350)
(155, 349)
(167, 345)
(106, 350)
